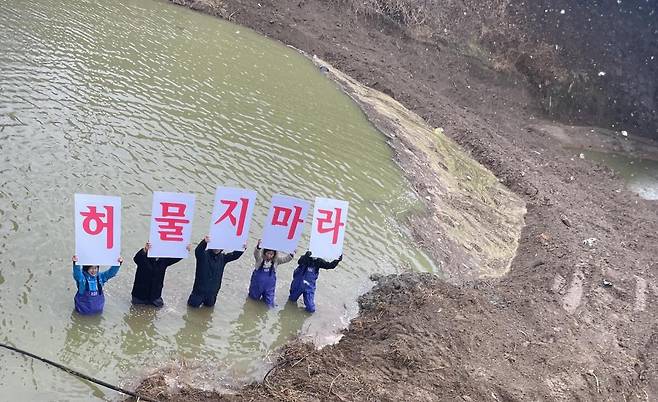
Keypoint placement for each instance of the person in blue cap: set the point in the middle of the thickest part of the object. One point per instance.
(90, 299)
(263, 279)
(305, 276)
(209, 272)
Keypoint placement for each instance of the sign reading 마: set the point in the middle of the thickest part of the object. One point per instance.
(284, 223)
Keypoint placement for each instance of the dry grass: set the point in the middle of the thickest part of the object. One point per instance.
(212, 7)
(409, 13)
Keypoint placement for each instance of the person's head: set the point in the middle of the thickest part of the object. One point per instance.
(216, 250)
(90, 269)
(268, 254)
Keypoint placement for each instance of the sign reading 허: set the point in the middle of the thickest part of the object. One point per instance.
(284, 223)
(328, 228)
(231, 217)
(97, 229)
(171, 224)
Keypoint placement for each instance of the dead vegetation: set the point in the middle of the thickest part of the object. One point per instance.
(217, 8)
(407, 13)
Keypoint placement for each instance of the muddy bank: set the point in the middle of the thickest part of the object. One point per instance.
(472, 223)
(573, 319)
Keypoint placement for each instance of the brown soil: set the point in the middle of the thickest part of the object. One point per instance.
(570, 321)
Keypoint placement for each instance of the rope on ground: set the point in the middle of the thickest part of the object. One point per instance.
(79, 374)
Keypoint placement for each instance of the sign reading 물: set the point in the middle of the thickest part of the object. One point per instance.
(231, 217)
(328, 228)
(171, 224)
(97, 229)
(284, 223)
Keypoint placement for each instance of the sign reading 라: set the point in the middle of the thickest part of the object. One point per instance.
(328, 228)
(231, 218)
(171, 224)
(97, 229)
(284, 223)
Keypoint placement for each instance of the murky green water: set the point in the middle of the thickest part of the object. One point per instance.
(125, 97)
(641, 175)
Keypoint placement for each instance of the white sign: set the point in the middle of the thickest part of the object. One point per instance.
(231, 218)
(284, 223)
(97, 229)
(171, 224)
(328, 228)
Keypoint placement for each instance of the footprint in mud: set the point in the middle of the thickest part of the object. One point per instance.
(573, 297)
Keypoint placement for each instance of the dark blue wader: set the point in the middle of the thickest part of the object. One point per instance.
(263, 284)
(90, 302)
(303, 283)
(305, 277)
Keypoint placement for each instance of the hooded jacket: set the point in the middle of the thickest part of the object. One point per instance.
(210, 269)
(309, 267)
(149, 276)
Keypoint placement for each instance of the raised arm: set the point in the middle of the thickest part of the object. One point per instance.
(201, 248)
(258, 252)
(284, 258)
(109, 273)
(328, 265)
(78, 276)
(141, 257)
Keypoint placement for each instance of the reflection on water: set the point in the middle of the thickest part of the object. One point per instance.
(124, 97)
(640, 174)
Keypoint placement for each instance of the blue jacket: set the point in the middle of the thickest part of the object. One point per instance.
(79, 276)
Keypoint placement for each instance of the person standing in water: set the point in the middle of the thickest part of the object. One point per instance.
(149, 277)
(305, 276)
(263, 279)
(209, 272)
(90, 299)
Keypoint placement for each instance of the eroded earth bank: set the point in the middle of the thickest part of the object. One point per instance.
(559, 303)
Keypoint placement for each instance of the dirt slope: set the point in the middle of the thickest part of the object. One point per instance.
(573, 319)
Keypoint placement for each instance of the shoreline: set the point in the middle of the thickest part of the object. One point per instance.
(549, 329)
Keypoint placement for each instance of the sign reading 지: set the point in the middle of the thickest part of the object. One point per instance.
(328, 228)
(171, 224)
(97, 229)
(231, 218)
(284, 223)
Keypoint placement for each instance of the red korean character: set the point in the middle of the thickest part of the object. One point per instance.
(97, 217)
(228, 213)
(281, 216)
(172, 229)
(329, 219)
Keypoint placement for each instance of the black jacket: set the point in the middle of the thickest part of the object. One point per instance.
(210, 269)
(150, 274)
(307, 261)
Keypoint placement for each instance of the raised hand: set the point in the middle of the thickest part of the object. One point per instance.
(74, 258)
(120, 260)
